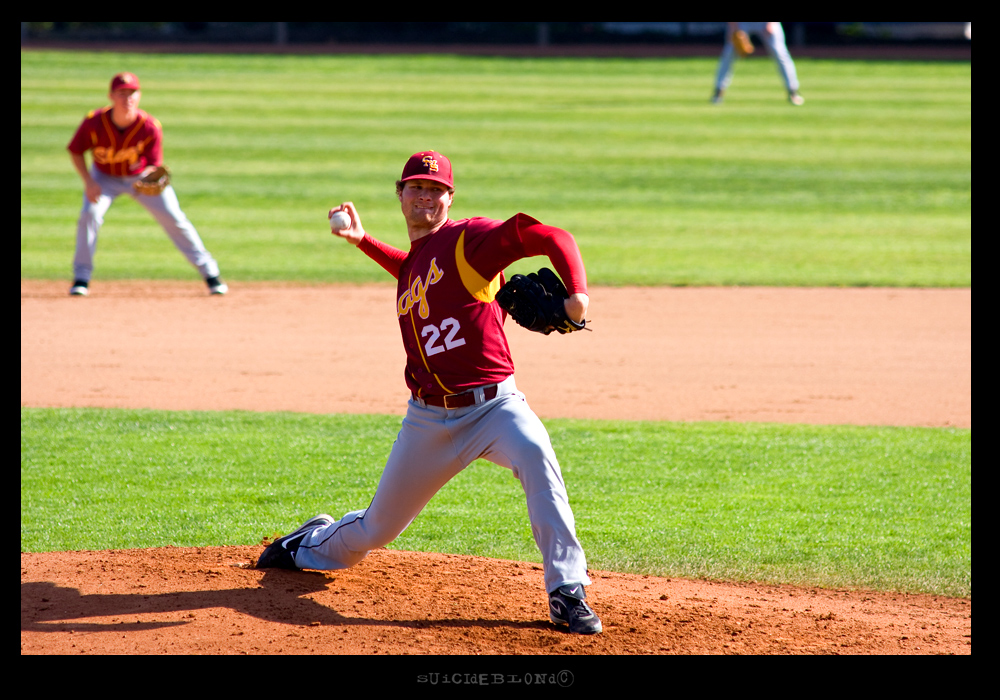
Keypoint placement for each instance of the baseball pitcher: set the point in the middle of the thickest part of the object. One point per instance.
(451, 302)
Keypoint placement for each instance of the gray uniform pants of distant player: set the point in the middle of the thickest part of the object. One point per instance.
(435, 444)
(164, 208)
(775, 45)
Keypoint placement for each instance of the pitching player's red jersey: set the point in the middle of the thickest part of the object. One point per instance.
(119, 152)
(452, 326)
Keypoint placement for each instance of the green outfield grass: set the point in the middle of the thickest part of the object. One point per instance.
(882, 508)
(869, 183)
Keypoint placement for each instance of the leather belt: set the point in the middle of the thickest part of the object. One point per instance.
(466, 398)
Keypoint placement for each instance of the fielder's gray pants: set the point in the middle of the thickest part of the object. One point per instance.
(164, 208)
(775, 45)
(435, 444)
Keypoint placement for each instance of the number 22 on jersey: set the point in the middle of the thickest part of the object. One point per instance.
(449, 328)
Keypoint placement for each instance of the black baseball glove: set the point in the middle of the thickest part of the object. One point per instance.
(535, 301)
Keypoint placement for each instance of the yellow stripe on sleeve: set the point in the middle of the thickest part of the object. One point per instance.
(478, 286)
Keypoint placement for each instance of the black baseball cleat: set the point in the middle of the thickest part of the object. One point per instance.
(79, 288)
(566, 607)
(280, 554)
(216, 285)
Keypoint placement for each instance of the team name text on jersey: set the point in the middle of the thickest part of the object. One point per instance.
(416, 295)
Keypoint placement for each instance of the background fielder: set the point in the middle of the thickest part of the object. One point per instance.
(126, 143)
(464, 403)
(772, 35)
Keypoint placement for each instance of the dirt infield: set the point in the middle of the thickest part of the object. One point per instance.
(209, 601)
(858, 356)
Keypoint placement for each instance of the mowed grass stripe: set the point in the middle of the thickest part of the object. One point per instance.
(868, 184)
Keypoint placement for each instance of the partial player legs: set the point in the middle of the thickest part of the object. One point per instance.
(88, 226)
(774, 41)
(167, 211)
(772, 35)
(164, 208)
(724, 75)
(423, 459)
(524, 448)
(91, 219)
(432, 447)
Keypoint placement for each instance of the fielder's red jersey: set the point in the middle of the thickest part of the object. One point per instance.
(119, 152)
(452, 327)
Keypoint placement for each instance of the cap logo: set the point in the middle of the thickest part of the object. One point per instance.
(431, 163)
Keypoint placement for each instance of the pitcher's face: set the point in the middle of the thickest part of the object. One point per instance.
(425, 203)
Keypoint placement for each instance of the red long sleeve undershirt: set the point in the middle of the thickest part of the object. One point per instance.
(519, 237)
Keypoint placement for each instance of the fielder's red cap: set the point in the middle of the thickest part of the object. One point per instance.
(124, 81)
(428, 165)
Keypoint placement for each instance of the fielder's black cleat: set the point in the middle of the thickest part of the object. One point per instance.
(280, 554)
(79, 288)
(566, 607)
(216, 285)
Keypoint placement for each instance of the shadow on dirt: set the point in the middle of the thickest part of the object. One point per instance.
(280, 598)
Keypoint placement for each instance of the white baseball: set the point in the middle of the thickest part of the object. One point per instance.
(340, 220)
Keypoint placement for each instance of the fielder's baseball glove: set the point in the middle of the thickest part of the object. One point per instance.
(154, 182)
(742, 43)
(535, 301)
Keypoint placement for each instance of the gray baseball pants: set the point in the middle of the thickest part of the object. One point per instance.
(434, 445)
(164, 208)
(775, 45)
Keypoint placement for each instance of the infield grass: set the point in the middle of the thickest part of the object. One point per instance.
(879, 508)
(869, 183)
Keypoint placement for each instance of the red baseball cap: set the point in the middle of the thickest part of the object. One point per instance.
(428, 165)
(124, 81)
